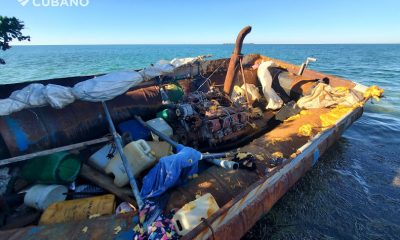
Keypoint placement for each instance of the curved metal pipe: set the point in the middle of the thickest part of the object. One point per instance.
(230, 74)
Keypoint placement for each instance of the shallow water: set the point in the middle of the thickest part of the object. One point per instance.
(354, 190)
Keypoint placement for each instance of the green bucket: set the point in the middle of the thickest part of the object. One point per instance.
(61, 167)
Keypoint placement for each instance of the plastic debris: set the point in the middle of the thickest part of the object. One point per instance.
(170, 171)
(124, 207)
(374, 92)
(192, 213)
(277, 155)
(161, 228)
(332, 117)
(305, 130)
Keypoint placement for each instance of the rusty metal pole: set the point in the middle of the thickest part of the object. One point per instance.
(230, 74)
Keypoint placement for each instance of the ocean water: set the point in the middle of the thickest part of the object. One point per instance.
(354, 190)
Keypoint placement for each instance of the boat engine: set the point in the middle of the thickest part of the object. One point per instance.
(210, 118)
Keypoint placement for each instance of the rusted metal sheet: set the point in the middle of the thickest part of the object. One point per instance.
(238, 216)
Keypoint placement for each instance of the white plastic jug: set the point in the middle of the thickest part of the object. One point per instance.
(41, 196)
(192, 213)
(99, 159)
(160, 125)
(138, 154)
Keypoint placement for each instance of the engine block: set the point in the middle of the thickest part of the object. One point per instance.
(210, 118)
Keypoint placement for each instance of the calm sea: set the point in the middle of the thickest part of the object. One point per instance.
(354, 190)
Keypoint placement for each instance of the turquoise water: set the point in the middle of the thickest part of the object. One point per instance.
(354, 190)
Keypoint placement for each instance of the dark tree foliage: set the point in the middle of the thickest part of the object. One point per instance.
(10, 28)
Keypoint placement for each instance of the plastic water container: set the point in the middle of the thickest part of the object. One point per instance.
(99, 159)
(61, 167)
(138, 154)
(135, 130)
(174, 92)
(41, 196)
(161, 125)
(192, 213)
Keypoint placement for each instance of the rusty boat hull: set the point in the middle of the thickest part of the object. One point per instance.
(242, 204)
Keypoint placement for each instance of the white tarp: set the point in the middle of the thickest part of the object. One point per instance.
(97, 89)
(263, 74)
(164, 67)
(58, 96)
(106, 87)
(158, 69)
(323, 96)
(30, 95)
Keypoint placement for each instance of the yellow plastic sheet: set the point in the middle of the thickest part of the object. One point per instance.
(374, 92)
(305, 130)
(332, 117)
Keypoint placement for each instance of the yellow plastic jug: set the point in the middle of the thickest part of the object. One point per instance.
(138, 154)
(192, 213)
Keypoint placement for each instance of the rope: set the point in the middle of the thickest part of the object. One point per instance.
(244, 81)
(209, 226)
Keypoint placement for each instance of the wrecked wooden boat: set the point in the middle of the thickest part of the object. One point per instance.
(285, 128)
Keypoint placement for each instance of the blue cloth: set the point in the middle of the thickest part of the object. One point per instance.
(170, 171)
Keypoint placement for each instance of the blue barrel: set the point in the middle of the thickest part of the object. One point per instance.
(135, 130)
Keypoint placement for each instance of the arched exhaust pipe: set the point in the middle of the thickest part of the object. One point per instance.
(230, 74)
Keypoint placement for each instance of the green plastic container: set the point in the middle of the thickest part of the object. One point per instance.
(60, 167)
(174, 92)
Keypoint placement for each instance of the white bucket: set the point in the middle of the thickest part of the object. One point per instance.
(41, 196)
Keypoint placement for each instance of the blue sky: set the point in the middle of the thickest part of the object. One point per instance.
(207, 21)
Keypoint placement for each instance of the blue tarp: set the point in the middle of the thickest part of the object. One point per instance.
(170, 171)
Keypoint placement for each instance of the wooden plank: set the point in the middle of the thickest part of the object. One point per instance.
(107, 183)
(53, 150)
